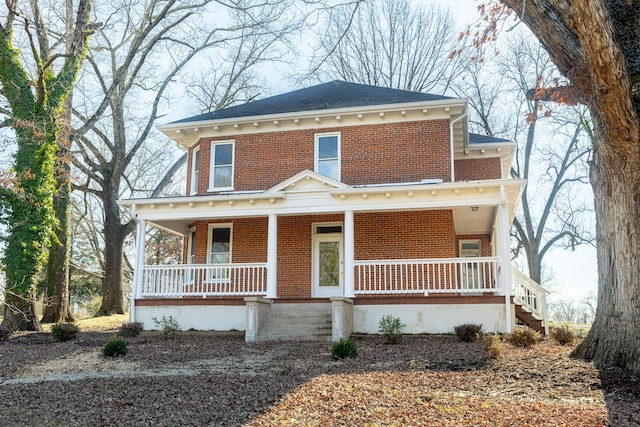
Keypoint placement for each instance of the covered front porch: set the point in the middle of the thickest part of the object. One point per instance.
(312, 239)
(452, 276)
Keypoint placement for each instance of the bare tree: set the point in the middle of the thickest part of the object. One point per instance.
(553, 148)
(596, 46)
(389, 43)
(134, 59)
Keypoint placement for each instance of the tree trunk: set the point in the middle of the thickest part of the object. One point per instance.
(114, 235)
(613, 338)
(56, 308)
(20, 314)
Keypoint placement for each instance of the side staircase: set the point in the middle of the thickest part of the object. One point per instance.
(530, 300)
(293, 321)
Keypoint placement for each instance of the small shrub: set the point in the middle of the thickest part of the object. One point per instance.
(492, 346)
(391, 328)
(563, 335)
(168, 325)
(468, 332)
(64, 331)
(523, 337)
(115, 348)
(130, 329)
(344, 348)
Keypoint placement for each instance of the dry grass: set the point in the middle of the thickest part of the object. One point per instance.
(96, 324)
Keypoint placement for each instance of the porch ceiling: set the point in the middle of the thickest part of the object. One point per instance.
(474, 219)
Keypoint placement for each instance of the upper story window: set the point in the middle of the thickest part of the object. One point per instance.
(327, 155)
(221, 174)
(195, 171)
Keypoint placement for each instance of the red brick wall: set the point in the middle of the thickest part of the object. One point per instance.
(371, 154)
(404, 235)
(248, 239)
(294, 253)
(475, 169)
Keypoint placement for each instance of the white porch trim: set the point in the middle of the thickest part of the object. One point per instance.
(272, 257)
(349, 254)
(136, 285)
(504, 249)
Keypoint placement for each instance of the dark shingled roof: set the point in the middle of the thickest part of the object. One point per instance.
(335, 94)
(475, 138)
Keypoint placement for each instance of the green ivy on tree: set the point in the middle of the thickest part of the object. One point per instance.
(37, 111)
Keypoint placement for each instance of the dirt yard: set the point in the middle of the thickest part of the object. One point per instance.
(201, 379)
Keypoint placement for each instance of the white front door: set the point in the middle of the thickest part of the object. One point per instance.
(328, 264)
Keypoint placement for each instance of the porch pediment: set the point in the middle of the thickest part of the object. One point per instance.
(307, 181)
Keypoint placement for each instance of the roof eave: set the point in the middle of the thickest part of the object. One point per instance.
(172, 129)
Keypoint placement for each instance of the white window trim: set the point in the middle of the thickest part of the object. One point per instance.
(316, 152)
(212, 164)
(315, 225)
(190, 247)
(193, 185)
(228, 225)
(316, 237)
(478, 241)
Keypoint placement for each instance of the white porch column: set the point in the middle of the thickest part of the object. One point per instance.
(506, 282)
(136, 286)
(349, 254)
(272, 257)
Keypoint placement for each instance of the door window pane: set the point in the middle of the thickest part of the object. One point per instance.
(329, 263)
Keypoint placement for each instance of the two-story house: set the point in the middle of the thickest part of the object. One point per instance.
(318, 211)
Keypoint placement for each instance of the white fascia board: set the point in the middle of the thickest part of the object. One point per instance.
(261, 195)
(319, 202)
(442, 103)
(490, 183)
(317, 205)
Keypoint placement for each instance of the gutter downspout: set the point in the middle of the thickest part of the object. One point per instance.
(465, 135)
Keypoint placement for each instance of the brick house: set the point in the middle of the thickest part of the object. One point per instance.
(318, 211)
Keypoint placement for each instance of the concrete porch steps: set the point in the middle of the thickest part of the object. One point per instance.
(293, 321)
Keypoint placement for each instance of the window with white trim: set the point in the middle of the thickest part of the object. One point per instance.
(221, 172)
(219, 252)
(219, 243)
(195, 170)
(191, 258)
(327, 155)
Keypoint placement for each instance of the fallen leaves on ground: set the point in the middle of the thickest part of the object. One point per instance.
(206, 379)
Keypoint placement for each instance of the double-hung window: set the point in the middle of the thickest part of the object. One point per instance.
(195, 170)
(221, 175)
(219, 251)
(327, 155)
(191, 258)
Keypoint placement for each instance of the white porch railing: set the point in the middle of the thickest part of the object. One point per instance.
(180, 280)
(437, 275)
(531, 295)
